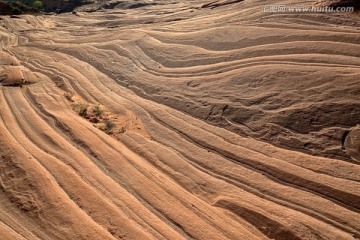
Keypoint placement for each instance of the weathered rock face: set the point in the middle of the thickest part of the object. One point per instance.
(352, 143)
(12, 76)
(180, 120)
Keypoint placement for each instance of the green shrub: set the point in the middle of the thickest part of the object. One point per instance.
(108, 126)
(97, 110)
(81, 109)
(38, 5)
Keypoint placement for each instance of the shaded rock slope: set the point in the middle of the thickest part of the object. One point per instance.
(180, 120)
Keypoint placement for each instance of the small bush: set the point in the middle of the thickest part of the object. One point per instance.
(81, 109)
(97, 110)
(38, 5)
(68, 96)
(108, 126)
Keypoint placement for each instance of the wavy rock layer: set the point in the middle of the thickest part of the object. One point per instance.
(174, 97)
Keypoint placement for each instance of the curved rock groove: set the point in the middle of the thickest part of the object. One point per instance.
(180, 120)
